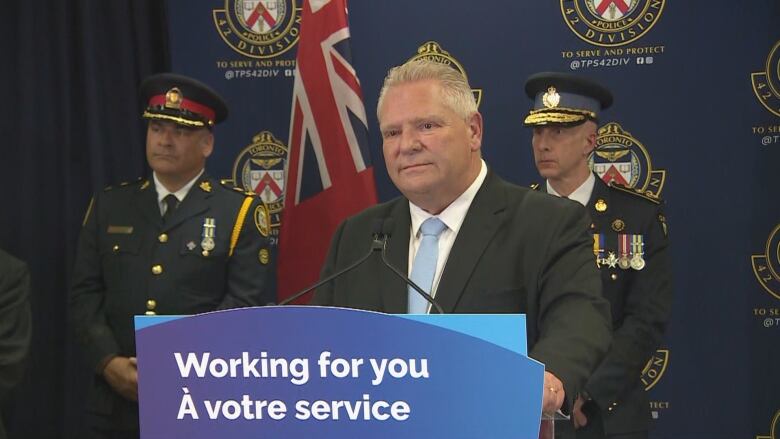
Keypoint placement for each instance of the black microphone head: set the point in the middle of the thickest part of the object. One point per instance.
(387, 227)
(376, 226)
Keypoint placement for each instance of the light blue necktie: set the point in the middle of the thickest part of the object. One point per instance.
(424, 266)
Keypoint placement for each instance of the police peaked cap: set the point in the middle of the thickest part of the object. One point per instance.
(564, 99)
(183, 100)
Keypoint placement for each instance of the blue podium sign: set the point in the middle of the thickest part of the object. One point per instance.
(298, 371)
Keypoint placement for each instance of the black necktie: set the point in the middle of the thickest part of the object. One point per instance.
(171, 203)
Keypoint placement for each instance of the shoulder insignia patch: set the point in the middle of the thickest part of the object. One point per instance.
(263, 219)
(637, 192)
(535, 186)
(264, 256)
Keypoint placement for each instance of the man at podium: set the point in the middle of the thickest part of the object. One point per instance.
(475, 242)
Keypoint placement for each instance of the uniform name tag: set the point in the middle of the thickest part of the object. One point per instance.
(122, 230)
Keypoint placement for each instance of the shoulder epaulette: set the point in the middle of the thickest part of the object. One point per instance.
(636, 192)
(228, 184)
(123, 184)
(534, 186)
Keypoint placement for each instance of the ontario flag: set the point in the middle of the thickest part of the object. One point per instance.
(329, 175)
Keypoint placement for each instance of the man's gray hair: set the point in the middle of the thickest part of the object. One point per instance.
(456, 90)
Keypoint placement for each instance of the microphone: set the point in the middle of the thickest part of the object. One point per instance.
(387, 231)
(379, 242)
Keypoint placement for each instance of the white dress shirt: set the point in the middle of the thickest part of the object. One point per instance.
(162, 192)
(581, 194)
(452, 217)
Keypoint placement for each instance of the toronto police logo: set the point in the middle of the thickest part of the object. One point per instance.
(432, 51)
(655, 368)
(766, 266)
(259, 28)
(611, 23)
(621, 158)
(260, 168)
(774, 429)
(766, 84)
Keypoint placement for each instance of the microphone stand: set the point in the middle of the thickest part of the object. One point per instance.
(408, 281)
(379, 243)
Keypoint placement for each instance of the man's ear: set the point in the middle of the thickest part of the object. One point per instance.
(590, 140)
(207, 144)
(474, 125)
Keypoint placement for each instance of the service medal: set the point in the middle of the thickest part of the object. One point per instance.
(598, 248)
(624, 262)
(637, 263)
(611, 260)
(637, 249)
(209, 232)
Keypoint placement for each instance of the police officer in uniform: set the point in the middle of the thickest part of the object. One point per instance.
(630, 244)
(178, 242)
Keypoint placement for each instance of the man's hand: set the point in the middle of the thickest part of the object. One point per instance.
(553, 395)
(580, 420)
(121, 373)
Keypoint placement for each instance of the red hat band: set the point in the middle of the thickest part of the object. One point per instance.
(184, 104)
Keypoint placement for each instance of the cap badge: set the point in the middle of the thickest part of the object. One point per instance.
(551, 98)
(173, 98)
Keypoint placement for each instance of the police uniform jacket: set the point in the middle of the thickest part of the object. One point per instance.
(129, 262)
(15, 325)
(640, 301)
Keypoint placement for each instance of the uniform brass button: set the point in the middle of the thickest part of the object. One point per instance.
(614, 276)
(205, 252)
(163, 237)
(157, 269)
(151, 304)
(115, 248)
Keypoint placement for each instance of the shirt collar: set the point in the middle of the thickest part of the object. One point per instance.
(581, 194)
(162, 192)
(455, 213)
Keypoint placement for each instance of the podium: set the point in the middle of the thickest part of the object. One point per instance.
(314, 372)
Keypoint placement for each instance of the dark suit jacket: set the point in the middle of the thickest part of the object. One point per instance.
(517, 251)
(15, 324)
(124, 237)
(641, 303)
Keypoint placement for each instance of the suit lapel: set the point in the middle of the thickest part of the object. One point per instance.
(481, 223)
(392, 289)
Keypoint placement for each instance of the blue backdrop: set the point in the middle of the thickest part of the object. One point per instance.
(697, 87)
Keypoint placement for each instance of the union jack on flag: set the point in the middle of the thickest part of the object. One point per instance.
(329, 175)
